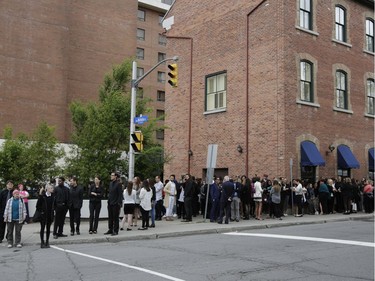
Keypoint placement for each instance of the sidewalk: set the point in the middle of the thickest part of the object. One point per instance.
(30, 232)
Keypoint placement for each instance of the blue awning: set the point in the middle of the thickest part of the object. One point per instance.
(346, 158)
(371, 159)
(310, 155)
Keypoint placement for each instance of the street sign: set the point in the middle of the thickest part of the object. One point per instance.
(140, 119)
(211, 156)
(211, 165)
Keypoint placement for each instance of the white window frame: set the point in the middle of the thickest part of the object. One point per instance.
(216, 92)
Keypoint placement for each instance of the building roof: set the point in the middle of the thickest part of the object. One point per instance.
(156, 5)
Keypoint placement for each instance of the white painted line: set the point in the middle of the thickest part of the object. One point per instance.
(316, 239)
(121, 264)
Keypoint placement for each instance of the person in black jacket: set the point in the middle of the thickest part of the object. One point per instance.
(347, 193)
(95, 195)
(75, 205)
(45, 205)
(61, 207)
(114, 204)
(188, 198)
(5, 195)
(227, 191)
(246, 197)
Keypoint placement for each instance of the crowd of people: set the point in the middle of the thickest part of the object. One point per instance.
(227, 199)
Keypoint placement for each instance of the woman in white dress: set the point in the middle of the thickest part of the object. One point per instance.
(169, 199)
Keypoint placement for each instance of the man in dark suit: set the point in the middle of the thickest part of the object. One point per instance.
(226, 200)
(215, 192)
(4, 197)
(61, 207)
(114, 204)
(75, 205)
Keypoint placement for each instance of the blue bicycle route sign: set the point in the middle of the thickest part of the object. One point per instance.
(140, 119)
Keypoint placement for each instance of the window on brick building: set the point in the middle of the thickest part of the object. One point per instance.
(160, 114)
(305, 14)
(160, 134)
(340, 24)
(341, 90)
(140, 53)
(141, 34)
(160, 96)
(306, 81)
(140, 71)
(141, 15)
(161, 56)
(162, 40)
(370, 35)
(216, 91)
(140, 93)
(161, 77)
(370, 89)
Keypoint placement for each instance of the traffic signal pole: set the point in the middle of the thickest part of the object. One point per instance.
(132, 116)
(134, 85)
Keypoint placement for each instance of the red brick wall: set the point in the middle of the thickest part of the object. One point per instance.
(277, 124)
(54, 52)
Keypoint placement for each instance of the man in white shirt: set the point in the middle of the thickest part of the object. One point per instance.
(159, 198)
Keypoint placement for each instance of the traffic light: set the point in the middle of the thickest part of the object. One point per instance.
(137, 145)
(173, 74)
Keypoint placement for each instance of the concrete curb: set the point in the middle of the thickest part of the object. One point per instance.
(196, 228)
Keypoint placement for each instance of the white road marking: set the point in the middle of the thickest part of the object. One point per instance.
(121, 264)
(316, 239)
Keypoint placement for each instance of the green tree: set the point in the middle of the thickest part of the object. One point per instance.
(43, 153)
(102, 132)
(31, 160)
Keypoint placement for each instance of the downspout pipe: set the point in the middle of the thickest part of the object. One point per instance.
(190, 94)
(247, 83)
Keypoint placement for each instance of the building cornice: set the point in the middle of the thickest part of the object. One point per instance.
(155, 5)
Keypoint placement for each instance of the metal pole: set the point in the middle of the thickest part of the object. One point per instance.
(291, 182)
(209, 176)
(132, 116)
(134, 85)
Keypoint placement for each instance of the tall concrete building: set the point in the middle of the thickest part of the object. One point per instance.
(280, 86)
(54, 52)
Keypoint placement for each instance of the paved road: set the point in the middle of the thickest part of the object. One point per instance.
(221, 256)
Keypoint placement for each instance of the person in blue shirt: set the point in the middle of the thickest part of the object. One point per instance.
(323, 196)
(14, 216)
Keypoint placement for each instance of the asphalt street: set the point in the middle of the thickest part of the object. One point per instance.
(330, 251)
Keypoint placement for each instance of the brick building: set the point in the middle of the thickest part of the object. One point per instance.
(272, 83)
(54, 52)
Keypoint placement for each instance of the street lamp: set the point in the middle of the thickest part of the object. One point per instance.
(134, 85)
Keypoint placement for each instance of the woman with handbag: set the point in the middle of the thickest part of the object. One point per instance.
(45, 206)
